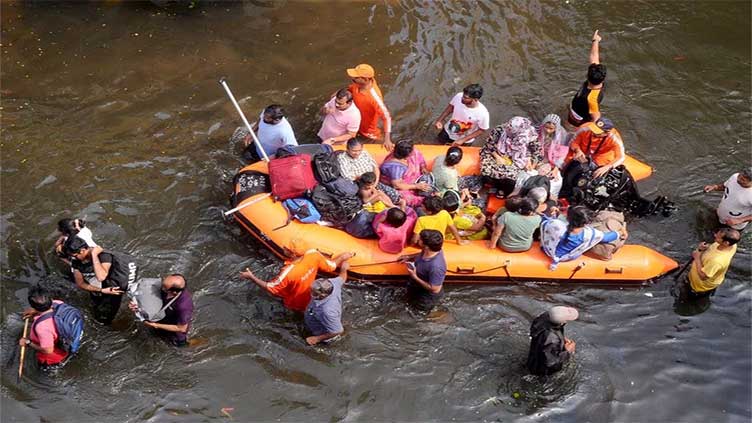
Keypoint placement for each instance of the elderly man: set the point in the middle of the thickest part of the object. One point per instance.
(177, 309)
(549, 348)
(470, 118)
(735, 208)
(341, 119)
(596, 145)
(323, 316)
(369, 100)
(105, 275)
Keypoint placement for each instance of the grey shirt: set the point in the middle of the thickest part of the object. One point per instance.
(325, 315)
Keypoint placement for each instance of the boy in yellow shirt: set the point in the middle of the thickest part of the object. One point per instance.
(711, 262)
(437, 219)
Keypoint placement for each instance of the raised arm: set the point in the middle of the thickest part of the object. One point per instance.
(595, 56)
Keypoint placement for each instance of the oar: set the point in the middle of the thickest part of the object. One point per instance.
(246, 204)
(23, 350)
(223, 82)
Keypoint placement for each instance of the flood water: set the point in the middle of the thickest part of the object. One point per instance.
(112, 111)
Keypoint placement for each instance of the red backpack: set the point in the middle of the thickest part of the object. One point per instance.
(291, 176)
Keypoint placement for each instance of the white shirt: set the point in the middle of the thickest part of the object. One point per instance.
(736, 202)
(274, 137)
(466, 120)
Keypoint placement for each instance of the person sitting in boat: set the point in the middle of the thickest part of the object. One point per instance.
(273, 132)
(293, 283)
(585, 106)
(428, 271)
(402, 170)
(554, 141)
(511, 148)
(393, 227)
(438, 219)
(356, 161)
(568, 241)
(540, 197)
(514, 231)
(68, 228)
(374, 200)
(468, 218)
(596, 146)
(470, 118)
(341, 119)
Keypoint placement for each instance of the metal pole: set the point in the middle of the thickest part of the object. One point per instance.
(223, 82)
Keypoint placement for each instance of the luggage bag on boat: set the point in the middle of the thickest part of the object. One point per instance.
(291, 176)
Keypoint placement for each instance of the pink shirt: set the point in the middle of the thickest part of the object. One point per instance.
(44, 333)
(339, 122)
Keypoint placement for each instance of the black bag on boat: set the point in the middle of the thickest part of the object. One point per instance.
(326, 167)
(249, 183)
(342, 187)
(361, 226)
(617, 191)
(335, 209)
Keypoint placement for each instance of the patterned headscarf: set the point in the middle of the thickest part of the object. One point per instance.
(518, 133)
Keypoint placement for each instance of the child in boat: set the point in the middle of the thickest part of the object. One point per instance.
(469, 219)
(513, 231)
(393, 227)
(374, 200)
(436, 218)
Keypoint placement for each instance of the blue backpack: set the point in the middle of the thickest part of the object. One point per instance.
(69, 323)
(300, 209)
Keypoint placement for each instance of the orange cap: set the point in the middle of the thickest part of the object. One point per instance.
(361, 71)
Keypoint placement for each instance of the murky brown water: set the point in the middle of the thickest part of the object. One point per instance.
(112, 110)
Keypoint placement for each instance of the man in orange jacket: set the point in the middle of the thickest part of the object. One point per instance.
(596, 145)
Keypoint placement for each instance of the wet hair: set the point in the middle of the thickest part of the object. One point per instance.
(353, 142)
(67, 227)
(274, 111)
(344, 93)
(402, 150)
(596, 73)
(451, 201)
(73, 245)
(513, 203)
(730, 235)
(474, 91)
(527, 206)
(39, 298)
(395, 217)
(577, 216)
(432, 239)
(453, 156)
(433, 205)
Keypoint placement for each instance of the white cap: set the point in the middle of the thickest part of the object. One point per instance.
(561, 314)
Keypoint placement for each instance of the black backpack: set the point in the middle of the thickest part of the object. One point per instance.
(335, 209)
(342, 187)
(325, 167)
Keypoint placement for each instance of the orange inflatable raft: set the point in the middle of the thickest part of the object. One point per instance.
(474, 263)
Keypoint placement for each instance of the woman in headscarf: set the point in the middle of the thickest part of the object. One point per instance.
(511, 148)
(554, 140)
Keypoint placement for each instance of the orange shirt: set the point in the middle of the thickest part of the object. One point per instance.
(611, 152)
(372, 107)
(293, 284)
